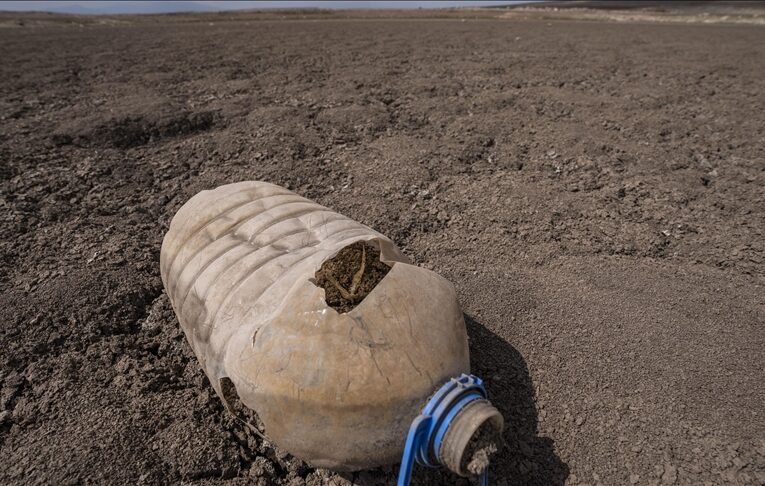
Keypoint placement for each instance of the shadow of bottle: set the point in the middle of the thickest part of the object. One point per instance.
(526, 458)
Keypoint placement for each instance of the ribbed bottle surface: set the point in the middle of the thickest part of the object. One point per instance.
(249, 237)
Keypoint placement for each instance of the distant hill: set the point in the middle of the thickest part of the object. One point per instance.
(109, 8)
(728, 5)
(171, 6)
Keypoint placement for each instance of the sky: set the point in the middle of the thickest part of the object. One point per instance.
(163, 6)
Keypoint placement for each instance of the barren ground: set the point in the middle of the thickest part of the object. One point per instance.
(595, 190)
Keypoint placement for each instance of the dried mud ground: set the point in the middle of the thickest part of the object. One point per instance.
(595, 191)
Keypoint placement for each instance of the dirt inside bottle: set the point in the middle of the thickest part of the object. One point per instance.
(351, 275)
(484, 444)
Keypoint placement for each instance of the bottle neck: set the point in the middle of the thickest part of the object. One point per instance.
(473, 437)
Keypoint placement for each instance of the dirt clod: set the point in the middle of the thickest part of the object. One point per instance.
(350, 275)
(482, 446)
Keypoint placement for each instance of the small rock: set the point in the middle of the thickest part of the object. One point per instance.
(670, 474)
(634, 478)
(579, 421)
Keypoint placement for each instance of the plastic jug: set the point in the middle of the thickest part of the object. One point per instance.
(337, 389)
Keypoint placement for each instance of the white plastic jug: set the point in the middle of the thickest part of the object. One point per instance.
(338, 390)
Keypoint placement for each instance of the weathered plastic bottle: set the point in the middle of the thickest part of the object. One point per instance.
(338, 390)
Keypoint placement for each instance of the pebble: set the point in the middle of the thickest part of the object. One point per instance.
(670, 474)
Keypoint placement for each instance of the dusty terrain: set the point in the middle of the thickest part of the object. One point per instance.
(595, 190)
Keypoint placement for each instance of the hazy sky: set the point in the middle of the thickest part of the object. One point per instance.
(157, 6)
